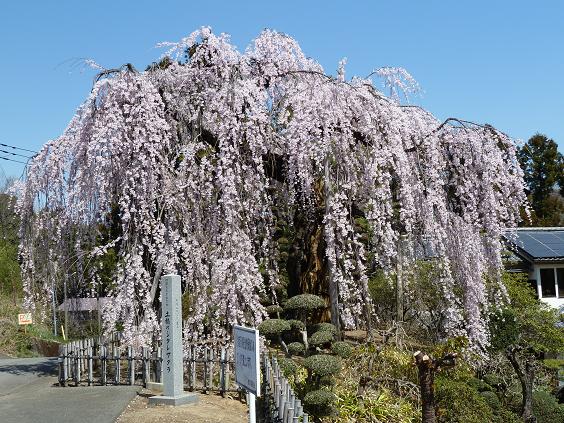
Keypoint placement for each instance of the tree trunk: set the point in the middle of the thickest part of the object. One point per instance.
(307, 263)
(333, 288)
(399, 285)
(426, 368)
(526, 374)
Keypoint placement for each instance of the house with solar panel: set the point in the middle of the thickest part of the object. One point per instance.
(540, 253)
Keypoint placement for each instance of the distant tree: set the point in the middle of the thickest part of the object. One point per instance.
(521, 331)
(10, 280)
(543, 166)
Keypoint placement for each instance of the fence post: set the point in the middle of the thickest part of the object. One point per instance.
(104, 363)
(205, 374)
(82, 346)
(193, 368)
(144, 367)
(90, 367)
(211, 356)
(77, 375)
(118, 366)
(61, 360)
(131, 365)
(222, 388)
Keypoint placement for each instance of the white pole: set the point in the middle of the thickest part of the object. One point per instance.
(252, 411)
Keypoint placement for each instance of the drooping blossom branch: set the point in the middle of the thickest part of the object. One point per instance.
(183, 162)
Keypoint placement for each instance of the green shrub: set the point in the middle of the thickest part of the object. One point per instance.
(500, 414)
(493, 380)
(321, 338)
(381, 405)
(323, 364)
(288, 367)
(506, 416)
(296, 348)
(342, 349)
(492, 400)
(326, 327)
(553, 363)
(326, 381)
(460, 403)
(273, 327)
(319, 402)
(296, 324)
(479, 385)
(504, 329)
(304, 302)
(274, 309)
(381, 288)
(546, 408)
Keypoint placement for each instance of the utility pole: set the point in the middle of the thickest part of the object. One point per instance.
(54, 311)
(66, 305)
(53, 299)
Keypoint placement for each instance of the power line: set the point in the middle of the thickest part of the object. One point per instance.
(15, 154)
(12, 160)
(18, 148)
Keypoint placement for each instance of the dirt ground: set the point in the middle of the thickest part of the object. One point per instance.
(211, 408)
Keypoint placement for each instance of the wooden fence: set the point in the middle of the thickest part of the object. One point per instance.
(98, 361)
(279, 400)
(101, 361)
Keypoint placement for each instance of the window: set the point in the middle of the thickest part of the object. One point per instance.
(560, 279)
(548, 286)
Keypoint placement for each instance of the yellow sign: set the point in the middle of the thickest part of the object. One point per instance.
(24, 319)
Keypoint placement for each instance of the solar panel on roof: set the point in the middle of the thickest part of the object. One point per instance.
(544, 237)
(542, 244)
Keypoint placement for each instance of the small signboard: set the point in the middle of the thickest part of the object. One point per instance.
(24, 319)
(247, 367)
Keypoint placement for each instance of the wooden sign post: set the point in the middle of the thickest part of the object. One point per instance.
(247, 368)
(25, 319)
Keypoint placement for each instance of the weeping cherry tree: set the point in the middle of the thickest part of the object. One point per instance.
(190, 166)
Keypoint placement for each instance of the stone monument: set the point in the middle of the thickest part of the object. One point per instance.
(172, 366)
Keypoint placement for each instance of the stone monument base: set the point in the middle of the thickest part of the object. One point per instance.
(182, 399)
(155, 386)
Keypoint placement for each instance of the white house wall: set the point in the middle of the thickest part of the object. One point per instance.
(556, 302)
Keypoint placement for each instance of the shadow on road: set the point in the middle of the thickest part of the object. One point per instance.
(38, 367)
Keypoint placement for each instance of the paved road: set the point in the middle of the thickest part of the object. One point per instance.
(29, 393)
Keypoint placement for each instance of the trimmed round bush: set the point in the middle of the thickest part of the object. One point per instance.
(273, 309)
(326, 381)
(296, 348)
(273, 327)
(296, 324)
(342, 349)
(459, 402)
(546, 408)
(492, 400)
(288, 367)
(506, 416)
(323, 364)
(326, 327)
(320, 338)
(304, 302)
(319, 403)
(493, 380)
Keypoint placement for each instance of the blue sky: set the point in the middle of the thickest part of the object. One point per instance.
(496, 62)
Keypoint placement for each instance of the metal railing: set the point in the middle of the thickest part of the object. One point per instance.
(281, 405)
